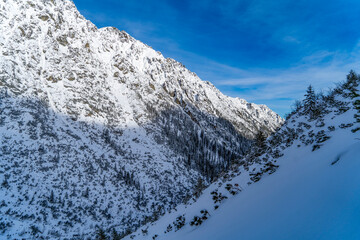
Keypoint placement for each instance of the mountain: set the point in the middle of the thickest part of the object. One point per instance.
(300, 183)
(98, 130)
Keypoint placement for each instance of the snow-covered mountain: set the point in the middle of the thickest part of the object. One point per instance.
(301, 183)
(99, 130)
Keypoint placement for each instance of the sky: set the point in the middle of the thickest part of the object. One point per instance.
(266, 52)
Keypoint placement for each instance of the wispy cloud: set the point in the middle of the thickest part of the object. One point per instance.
(280, 88)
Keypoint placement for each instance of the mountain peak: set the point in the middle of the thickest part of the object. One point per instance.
(94, 122)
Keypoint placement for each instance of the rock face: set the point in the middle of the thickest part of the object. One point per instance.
(98, 129)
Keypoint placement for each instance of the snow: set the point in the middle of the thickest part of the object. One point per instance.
(105, 80)
(306, 199)
(312, 195)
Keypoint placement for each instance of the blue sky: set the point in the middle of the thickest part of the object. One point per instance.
(264, 51)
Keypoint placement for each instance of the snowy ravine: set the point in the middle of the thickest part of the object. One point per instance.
(98, 130)
(303, 183)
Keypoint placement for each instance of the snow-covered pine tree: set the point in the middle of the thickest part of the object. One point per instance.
(355, 94)
(115, 235)
(357, 115)
(352, 83)
(310, 102)
(199, 187)
(260, 144)
(260, 139)
(101, 234)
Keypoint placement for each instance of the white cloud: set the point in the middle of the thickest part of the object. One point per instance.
(291, 39)
(278, 88)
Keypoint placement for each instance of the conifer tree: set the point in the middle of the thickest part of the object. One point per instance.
(115, 235)
(260, 139)
(199, 187)
(356, 104)
(101, 234)
(52, 197)
(260, 144)
(352, 82)
(5, 183)
(310, 102)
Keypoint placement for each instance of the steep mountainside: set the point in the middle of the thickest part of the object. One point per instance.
(312, 193)
(98, 129)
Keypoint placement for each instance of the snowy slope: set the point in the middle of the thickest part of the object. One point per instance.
(300, 192)
(306, 199)
(98, 130)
